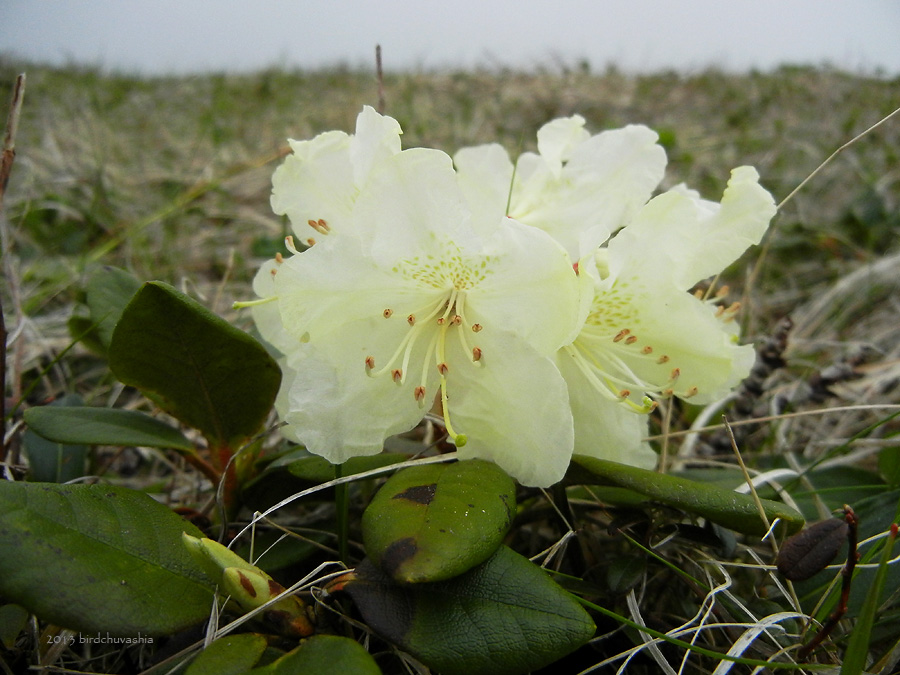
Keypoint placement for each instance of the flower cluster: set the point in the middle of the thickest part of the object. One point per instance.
(542, 307)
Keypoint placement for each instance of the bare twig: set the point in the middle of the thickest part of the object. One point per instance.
(6, 162)
(379, 75)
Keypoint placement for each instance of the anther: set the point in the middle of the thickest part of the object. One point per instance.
(662, 359)
(668, 392)
(690, 392)
(476, 353)
(278, 257)
(476, 327)
(319, 226)
(722, 292)
(289, 245)
(387, 313)
(440, 321)
(419, 394)
(621, 335)
(699, 294)
(310, 242)
(397, 375)
(443, 368)
(370, 363)
(647, 350)
(675, 374)
(631, 339)
(411, 319)
(625, 393)
(273, 271)
(456, 320)
(720, 310)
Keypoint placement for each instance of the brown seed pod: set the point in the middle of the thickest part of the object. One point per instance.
(808, 552)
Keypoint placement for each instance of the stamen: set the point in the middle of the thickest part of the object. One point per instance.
(370, 364)
(625, 393)
(241, 304)
(662, 359)
(273, 271)
(621, 335)
(397, 375)
(456, 320)
(675, 374)
(476, 327)
(647, 350)
(319, 226)
(476, 353)
(289, 245)
(631, 339)
(690, 392)
(443, 367)
(278, 257)
(459, 440)
(419, 394)
(310, 242)
(387, 313)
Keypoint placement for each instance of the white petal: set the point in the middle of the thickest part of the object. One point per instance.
(603, 428)
(337, 411)
(682, 332)
(411, 204)
(530, 288)
(557, 139)
(335, 283)
(377, 138)
(514, 410)
(683, 239)
(485, 178)
(605, 181)
(315, 182)
(267, 316)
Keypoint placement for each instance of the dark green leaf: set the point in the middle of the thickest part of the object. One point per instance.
(230, 655)
(300, 469)
(323, 655)
(202, 370)
(104, 426)
(54, 460)
(504, 617)
(724, 507)
(625, 571)
(433, 522)
(13, 619)
(889, 465)
(108, 292)
(312, 469)
(99, 558)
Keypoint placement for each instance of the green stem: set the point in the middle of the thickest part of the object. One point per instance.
(342, 506)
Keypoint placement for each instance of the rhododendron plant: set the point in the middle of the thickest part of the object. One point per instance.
(541, 308)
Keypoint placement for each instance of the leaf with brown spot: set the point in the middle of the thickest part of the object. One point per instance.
(429, 523)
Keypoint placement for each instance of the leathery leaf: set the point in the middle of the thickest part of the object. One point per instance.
(99, 558)
(429, 523)
(503, 617)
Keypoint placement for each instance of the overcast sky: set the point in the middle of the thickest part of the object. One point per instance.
(183, 36)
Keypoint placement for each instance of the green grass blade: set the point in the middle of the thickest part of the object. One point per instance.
(858, 646)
